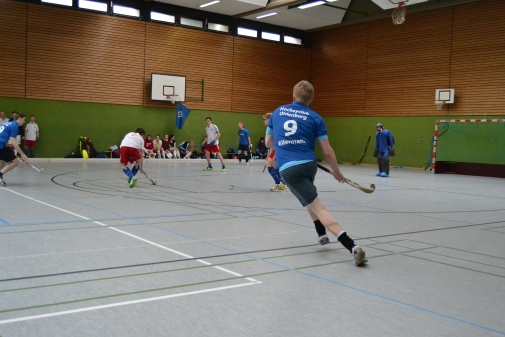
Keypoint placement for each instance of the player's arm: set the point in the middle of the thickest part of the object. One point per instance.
(204, 141)
(15, 145)
(331, 159)
(250, 144)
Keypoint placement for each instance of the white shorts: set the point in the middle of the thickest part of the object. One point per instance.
(18, 139)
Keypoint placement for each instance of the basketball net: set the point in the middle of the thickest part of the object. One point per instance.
(399, 13)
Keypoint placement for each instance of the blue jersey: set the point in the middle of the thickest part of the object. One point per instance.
(383, 140)
(8, 130)
(244, 137)
(295, 128)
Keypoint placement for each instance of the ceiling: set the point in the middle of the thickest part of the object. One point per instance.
(330, 14)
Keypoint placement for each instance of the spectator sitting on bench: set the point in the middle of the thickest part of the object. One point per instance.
(261, 149)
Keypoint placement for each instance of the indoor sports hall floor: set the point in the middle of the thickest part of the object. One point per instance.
(217, 254)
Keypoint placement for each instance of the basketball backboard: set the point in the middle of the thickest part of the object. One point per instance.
(164, 85)
(446, 95)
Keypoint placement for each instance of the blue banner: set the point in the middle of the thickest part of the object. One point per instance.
(182, 114)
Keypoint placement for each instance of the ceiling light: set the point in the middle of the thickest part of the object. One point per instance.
(266, 15)
(209, 3)
(311, 4)
(331, 0)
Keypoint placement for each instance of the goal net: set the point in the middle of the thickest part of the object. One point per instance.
(480, 141)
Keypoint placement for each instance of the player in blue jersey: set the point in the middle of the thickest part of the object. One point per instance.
(9, 132)
(384, 143)
(244, 143)
(293, 130)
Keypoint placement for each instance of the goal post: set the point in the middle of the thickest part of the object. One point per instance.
(471, 141)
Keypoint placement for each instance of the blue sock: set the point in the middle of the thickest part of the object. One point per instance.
(279, 174)
(275, 174)
(127, 171)
(135, 170)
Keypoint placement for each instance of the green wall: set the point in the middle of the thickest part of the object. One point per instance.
(61, 123)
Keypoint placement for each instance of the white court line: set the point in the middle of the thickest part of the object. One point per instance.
(98, 307)
(126, 233)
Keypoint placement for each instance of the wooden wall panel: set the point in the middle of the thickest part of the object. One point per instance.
(339, 71)
(264, 74)
(407, 63)
(478, 58)
(12, 48)
(84, 57)
(195, 54)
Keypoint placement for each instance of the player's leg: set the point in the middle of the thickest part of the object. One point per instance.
(246, 156)
(385, 166)
(239, 156)
(300, 180)
(320, 229)
(223, 169)
(379, 164)
(207, 156)
(7, 156)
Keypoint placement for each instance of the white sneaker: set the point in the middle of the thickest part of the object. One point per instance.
(359, 256)
(247, 163)
(239, 163)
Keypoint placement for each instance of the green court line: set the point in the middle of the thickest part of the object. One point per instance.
(170, 288)
(492, 230)
(451, 265)
(179, 269)
(130, 293)
(155, 272)
(403, 240)
(462, 250)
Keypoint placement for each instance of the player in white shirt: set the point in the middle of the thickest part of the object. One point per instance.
(131, 150)
(212, 141)
(31, 137)
(3, 119)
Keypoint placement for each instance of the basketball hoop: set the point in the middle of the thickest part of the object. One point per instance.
(399, 13)
(439, 104)
(173, 98)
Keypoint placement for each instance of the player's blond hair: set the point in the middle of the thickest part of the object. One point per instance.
(303, 92)
(267, 115)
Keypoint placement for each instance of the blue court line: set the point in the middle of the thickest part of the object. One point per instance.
(299, 272)
(4, 223)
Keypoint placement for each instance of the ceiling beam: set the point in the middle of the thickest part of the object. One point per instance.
(422, 7)
(272, 5)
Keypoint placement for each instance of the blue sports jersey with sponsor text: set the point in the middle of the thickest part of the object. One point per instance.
(295, 128)
(244, 137)
(8, 130)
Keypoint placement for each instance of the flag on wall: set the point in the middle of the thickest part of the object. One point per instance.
(182, 114)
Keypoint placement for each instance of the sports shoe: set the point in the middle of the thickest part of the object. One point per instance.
(208, 169)
(278, 187)
(359, 256)
(384, 174)
(223, 169)
(378, 174)
(247, 163)
(239, 162)
(2, 182)
(133, 181)
(324, 240)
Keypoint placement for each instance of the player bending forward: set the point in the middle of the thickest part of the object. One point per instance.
(131, 151)
(293, 130)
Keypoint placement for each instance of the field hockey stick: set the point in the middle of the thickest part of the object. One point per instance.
(351, 183)
(33, 167)
(150, 179)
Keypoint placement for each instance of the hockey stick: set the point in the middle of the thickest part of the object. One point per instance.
(366, 147)
(150, 179)
(351, 183)
(33, 167)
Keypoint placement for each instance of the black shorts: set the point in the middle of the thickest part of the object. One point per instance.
(7, 155)
(300, 180)
(243, 148)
